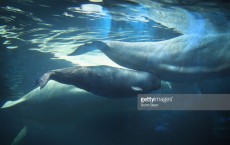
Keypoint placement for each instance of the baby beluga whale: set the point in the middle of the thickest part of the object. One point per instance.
(104, 80)
(187, 58)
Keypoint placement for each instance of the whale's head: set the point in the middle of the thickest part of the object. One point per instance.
(89, 47)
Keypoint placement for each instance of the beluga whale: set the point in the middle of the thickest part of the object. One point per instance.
(104, 80)
(61, 104)
(186, 58)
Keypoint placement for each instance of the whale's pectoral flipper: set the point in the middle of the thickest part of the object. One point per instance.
(20, 136)
(84, 49)
(42, 81)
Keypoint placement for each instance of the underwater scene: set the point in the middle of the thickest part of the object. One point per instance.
(71, 71)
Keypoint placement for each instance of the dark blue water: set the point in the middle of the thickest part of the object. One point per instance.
(35, 37)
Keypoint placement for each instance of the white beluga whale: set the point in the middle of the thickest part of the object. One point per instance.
(58, 102)
(62, 105)
(187, 58)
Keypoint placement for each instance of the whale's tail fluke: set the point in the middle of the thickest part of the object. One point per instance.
(85, 48)
(43, 80)
(13, 103)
